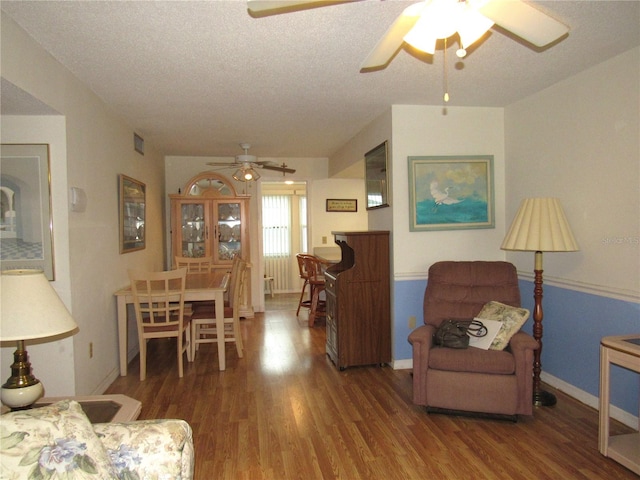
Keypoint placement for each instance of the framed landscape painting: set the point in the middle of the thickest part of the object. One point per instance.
(451, 193)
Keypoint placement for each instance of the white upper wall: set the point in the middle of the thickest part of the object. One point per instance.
(349, 161)
(50, 130)
(579, 140)
(323, 222)
(428, 131)
(99, 146)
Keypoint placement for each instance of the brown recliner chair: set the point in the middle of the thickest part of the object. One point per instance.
(471, 380)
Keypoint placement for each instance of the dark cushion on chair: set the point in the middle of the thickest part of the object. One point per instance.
(210, 312)
(472, 360)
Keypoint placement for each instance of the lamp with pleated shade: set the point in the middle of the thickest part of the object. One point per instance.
(30, 309)
(540, 225)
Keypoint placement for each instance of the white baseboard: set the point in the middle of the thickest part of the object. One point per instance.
(590, 400)
(402, 364)
(580, 395)
(108, 380)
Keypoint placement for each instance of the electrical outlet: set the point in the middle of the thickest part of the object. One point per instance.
(324, 240)
(90, 349)
(412, 321)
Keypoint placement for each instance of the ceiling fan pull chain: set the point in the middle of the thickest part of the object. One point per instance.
(444, 68)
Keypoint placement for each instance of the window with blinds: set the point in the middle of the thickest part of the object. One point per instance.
(276, 225)
(276, 239)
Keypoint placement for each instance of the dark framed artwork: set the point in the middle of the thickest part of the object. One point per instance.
(26, 224)
(132, 214)
(138, 144)
(375, 166)
(451, 192)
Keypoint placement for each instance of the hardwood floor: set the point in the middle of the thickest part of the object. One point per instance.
(285, 412)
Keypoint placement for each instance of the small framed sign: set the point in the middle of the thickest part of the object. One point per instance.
(342, 205)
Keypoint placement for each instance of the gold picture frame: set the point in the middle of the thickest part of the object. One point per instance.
(132, 194)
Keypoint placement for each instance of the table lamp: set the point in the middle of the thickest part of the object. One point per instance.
(540, 226)
(30, 309)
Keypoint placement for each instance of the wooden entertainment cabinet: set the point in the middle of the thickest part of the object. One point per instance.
(358, 300)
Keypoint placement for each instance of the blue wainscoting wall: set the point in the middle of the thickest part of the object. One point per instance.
(574, 322)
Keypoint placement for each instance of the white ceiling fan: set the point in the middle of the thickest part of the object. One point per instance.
(246, 166)
(423, 23)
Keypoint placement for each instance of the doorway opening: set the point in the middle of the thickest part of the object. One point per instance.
(284, 232)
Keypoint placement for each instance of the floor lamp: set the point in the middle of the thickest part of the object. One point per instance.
(30, 309)
(539, 226)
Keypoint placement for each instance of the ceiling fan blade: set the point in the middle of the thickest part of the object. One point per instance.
(524, 20)
(263, 5)
(223, 164)
(392, 40)
(278, 168)
(270, 7)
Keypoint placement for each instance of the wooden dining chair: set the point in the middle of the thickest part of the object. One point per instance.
(158, 299)
(194, 264)
(203, 320)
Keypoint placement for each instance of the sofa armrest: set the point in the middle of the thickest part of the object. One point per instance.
(522, 346)
(151, 448)
(422, 340)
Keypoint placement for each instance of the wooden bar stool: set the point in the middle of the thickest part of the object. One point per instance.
(317, 307)
(304, 274)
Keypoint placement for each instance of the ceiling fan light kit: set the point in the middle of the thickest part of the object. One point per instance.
(246, 166)
(442, 19)
(422, 23)
(246, 174)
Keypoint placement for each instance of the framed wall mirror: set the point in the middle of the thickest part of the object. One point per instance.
(375, 162)
(132, 214)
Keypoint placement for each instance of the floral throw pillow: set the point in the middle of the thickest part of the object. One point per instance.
(52, 442)
(512, 319)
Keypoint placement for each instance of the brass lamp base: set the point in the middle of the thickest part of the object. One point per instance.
(21, 389)
(542, 398)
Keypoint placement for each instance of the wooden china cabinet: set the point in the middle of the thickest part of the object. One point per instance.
(208, 218)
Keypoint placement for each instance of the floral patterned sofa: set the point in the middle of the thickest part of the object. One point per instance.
(59, 442)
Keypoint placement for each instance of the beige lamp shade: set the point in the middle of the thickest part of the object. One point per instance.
(540, 226)
(30, 307)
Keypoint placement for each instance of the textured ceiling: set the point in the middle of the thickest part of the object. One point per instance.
(198, 77)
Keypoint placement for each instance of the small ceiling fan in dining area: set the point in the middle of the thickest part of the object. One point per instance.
(245, 166)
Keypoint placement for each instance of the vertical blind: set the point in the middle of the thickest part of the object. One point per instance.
(276, 238)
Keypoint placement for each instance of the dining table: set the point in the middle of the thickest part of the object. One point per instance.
(206, 286)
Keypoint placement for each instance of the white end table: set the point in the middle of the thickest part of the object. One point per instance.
(624, 351)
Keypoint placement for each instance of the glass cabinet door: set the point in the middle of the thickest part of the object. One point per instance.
(193, 235)
(229, 230)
